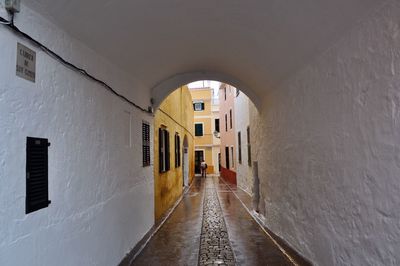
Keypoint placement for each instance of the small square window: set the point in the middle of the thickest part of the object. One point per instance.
(198, 129)
(198, 106)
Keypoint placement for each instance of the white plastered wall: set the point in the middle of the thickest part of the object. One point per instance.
(102, 198)
(328, 146)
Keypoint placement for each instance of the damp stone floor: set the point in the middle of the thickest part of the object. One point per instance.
(210, 226)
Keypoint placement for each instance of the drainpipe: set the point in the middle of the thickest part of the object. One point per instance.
(256, 187)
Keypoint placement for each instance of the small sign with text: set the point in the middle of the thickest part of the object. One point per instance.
(26, 63)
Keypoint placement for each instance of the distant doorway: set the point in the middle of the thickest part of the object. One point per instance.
(185, 162)
(227, 158)
(198, 158)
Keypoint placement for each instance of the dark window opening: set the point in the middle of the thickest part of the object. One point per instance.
(248, 147)
(198, 106)
(233, 160)
(198, 130)
(239, 147)
(226, 123)
(177, 151)
(227, 157)
(217, 125)
(230, 118)
(163, 149)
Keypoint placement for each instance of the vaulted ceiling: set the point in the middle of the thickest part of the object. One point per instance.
(260, 42)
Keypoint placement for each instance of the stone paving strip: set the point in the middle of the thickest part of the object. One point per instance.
(215, 247)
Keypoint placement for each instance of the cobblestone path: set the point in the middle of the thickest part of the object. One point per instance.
(215, 247)
(196, 233)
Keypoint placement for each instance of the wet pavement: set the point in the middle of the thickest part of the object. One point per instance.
(178, 240)
(215, 247)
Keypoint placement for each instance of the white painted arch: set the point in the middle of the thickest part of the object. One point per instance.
(165, 87)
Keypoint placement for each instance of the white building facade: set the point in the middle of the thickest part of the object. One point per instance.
(101, 195)
(243, 147)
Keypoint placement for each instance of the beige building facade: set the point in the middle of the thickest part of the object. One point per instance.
(206, 127)
(173, 150)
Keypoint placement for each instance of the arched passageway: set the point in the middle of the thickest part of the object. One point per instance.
(220, 116)
(165, 87)
(324, 76)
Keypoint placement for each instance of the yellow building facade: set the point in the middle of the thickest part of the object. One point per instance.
(205, 126)
(173, 149)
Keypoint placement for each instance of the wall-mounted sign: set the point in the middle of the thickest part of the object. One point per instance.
(26, 63)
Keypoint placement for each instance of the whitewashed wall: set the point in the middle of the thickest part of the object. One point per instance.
(102, 199)
(244, 176)
(329, 149)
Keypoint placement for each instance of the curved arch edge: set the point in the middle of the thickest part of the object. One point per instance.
(165, 87)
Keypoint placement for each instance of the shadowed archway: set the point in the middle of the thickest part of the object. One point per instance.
(165, 87)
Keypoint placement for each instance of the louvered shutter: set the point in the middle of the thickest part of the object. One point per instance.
(176, 150)
(160, 150)
(167, 153)
(37, 194)
(146, 144)
(179, 150)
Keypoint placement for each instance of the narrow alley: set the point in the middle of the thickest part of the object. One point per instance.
(110, 111)
(180, 241)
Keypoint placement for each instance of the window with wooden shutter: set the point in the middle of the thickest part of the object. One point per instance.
(248, 147)
(146, 143)
(167, 153)
(230, 118)
(198, 129)
(233, 158)
(217, 125)
(37, 191)
(239, 147)
(177, 151)
(163, 150)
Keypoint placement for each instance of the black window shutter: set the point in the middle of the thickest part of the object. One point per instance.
(198, 130)
(179, 150)
(160, 151)
(240, 147)
(146, 144)
(202, 106)
(248, 147)
(167, 153)
(37, 191)
(176, 151)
